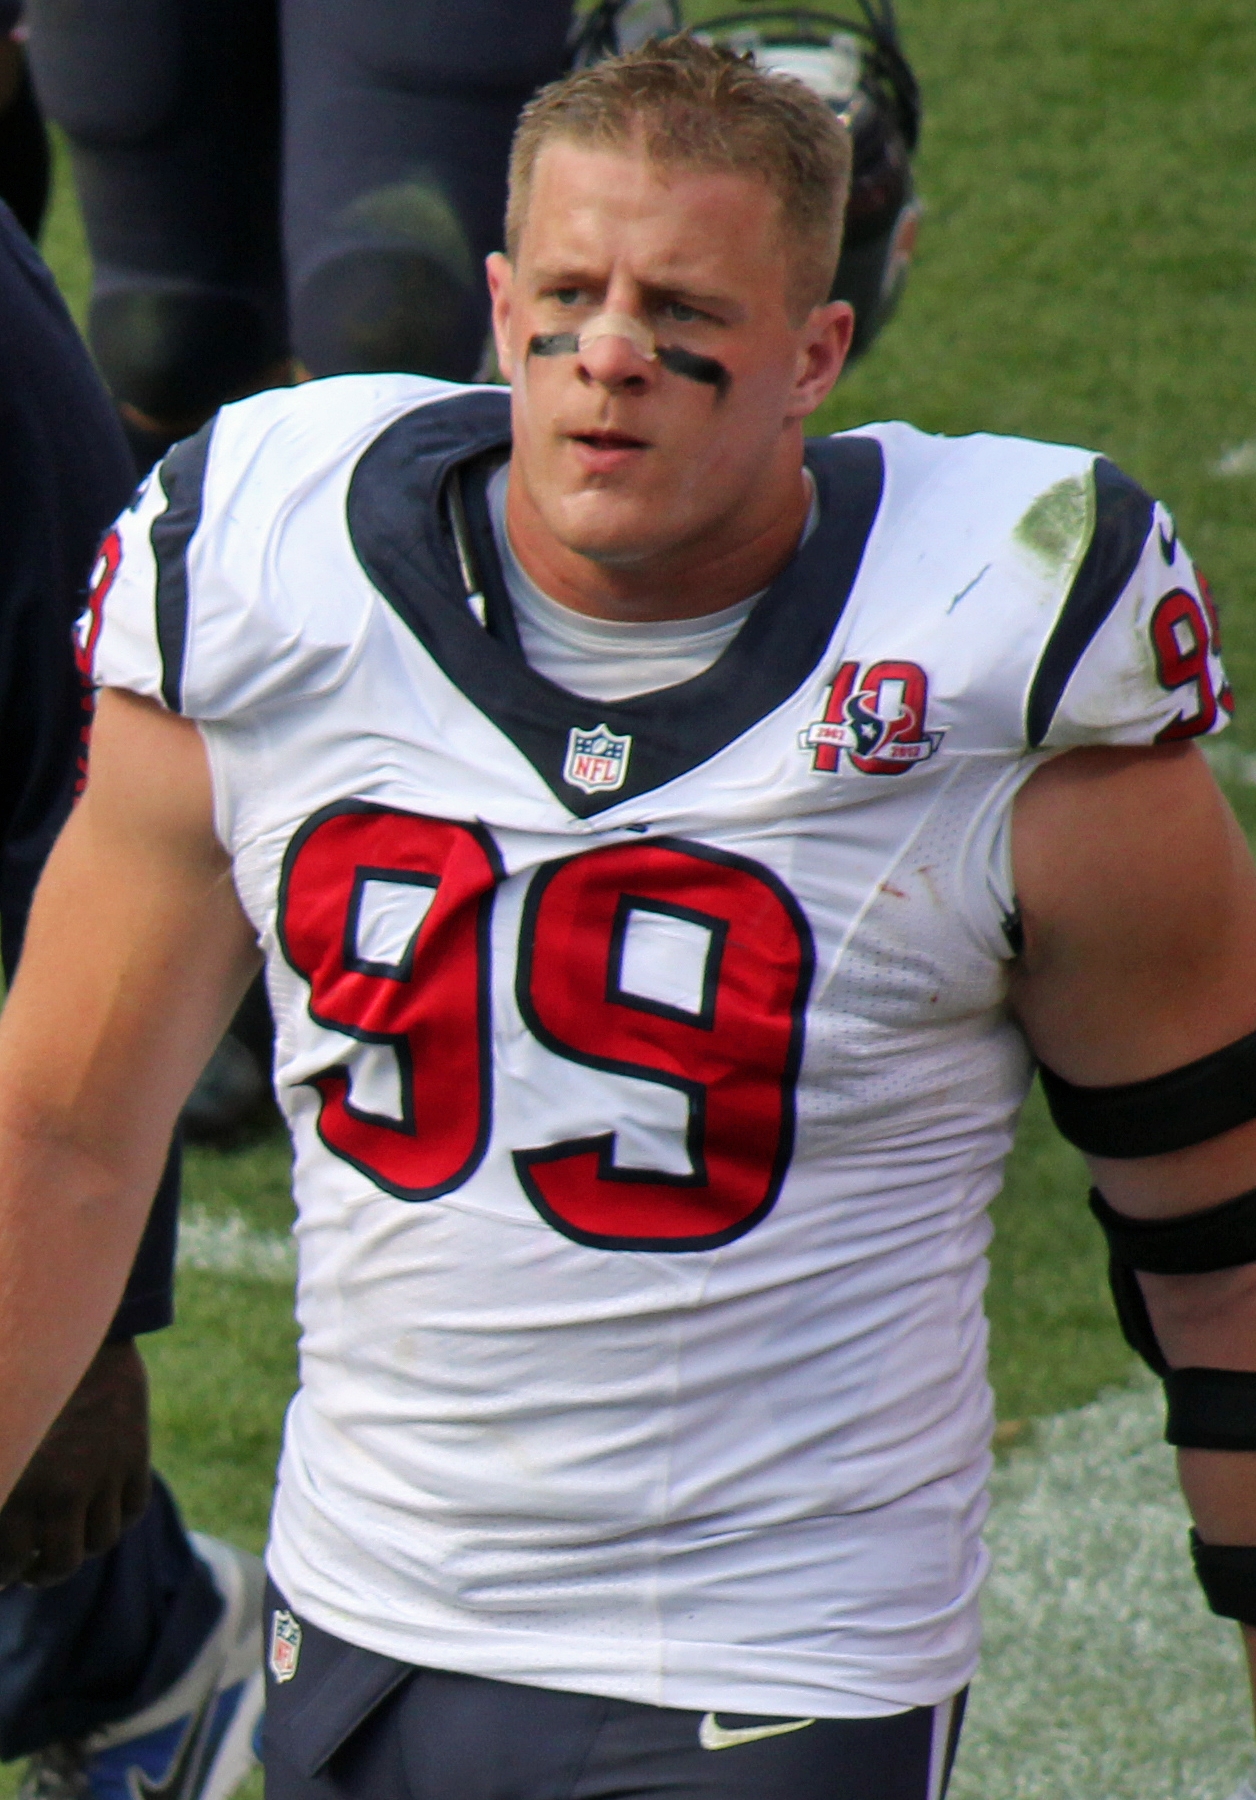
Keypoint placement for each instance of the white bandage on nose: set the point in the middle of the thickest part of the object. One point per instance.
(620, 325)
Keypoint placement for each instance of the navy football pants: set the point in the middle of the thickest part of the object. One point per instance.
(108, 1641)
(395, 128)
(350, 1725)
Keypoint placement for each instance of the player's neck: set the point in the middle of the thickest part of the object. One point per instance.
(715, 569)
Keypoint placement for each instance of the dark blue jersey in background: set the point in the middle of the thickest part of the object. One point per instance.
(65, 473)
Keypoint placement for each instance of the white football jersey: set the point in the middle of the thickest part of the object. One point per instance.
(647, 1062)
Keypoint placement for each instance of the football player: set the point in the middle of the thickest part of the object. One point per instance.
(670, 843)
(121, 1639)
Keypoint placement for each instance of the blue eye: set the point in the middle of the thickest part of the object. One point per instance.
(567, 296)
(682, 314)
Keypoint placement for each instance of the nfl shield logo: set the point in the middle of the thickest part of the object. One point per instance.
(285, 1645)
(597, 760)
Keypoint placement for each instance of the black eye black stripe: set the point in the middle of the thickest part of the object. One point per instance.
(698, 368)
(705, 369)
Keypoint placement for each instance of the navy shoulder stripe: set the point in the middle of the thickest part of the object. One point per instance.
(182, 477)
(1123, 516)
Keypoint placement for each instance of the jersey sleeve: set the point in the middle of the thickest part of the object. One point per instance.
(230, 582)
(118, 636)
(1134, 652)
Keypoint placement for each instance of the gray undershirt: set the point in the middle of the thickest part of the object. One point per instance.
(608, 659)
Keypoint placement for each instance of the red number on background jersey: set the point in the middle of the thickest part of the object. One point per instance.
(87, 628)
(386, 915)
(677, 965)
(1180, 637)
(86, 636)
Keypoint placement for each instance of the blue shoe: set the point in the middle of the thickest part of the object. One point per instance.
(198, 1741)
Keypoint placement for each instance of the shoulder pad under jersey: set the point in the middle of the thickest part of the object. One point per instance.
(231, 579)
(1057, 604)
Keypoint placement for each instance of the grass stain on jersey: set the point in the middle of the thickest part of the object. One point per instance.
(1058, 525)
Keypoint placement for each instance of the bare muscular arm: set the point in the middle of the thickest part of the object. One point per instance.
(1138, 898)
(136, 954)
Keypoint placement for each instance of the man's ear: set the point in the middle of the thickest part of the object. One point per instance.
(501, 281)
(824, 348)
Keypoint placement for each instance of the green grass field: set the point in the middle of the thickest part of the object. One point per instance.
(1087, 272)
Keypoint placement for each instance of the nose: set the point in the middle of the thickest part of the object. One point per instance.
(616, 351)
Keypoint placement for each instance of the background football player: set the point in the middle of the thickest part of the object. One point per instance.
(109, 1613)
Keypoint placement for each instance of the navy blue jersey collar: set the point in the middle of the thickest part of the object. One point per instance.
(400, 529)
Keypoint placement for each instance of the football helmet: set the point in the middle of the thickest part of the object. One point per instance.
(858, 67)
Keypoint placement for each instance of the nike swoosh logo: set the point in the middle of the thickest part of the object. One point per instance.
(714, 1736)
(1168, 545)
(182, 1779)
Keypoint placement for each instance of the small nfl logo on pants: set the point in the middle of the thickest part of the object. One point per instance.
(597, 759)
(285, 1645)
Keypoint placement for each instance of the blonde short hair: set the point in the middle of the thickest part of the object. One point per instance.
(697, 105)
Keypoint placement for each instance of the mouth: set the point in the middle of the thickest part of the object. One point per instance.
(606, 452)
(608, 440)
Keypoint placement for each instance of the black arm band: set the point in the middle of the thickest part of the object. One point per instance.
(1168, 1112)
(1133, 1317)
(1211, 1409)
(1227, 1574)
(1219, 1237)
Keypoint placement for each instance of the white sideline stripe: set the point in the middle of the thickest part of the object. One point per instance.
(1104, 1676)
(227, 1246)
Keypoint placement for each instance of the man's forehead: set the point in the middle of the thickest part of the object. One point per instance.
(580, 194)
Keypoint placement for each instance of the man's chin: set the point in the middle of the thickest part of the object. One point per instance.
(616, 533)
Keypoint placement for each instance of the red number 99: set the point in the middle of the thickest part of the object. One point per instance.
(727, 1036)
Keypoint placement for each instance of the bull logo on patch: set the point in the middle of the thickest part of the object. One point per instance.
(877, 720)
(597, 759)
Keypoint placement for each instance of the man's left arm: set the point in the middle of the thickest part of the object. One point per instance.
(1137, 896)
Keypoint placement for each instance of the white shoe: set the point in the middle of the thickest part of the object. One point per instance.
(199, 1740)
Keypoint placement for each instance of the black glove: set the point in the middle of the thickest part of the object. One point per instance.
(89, 1479)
